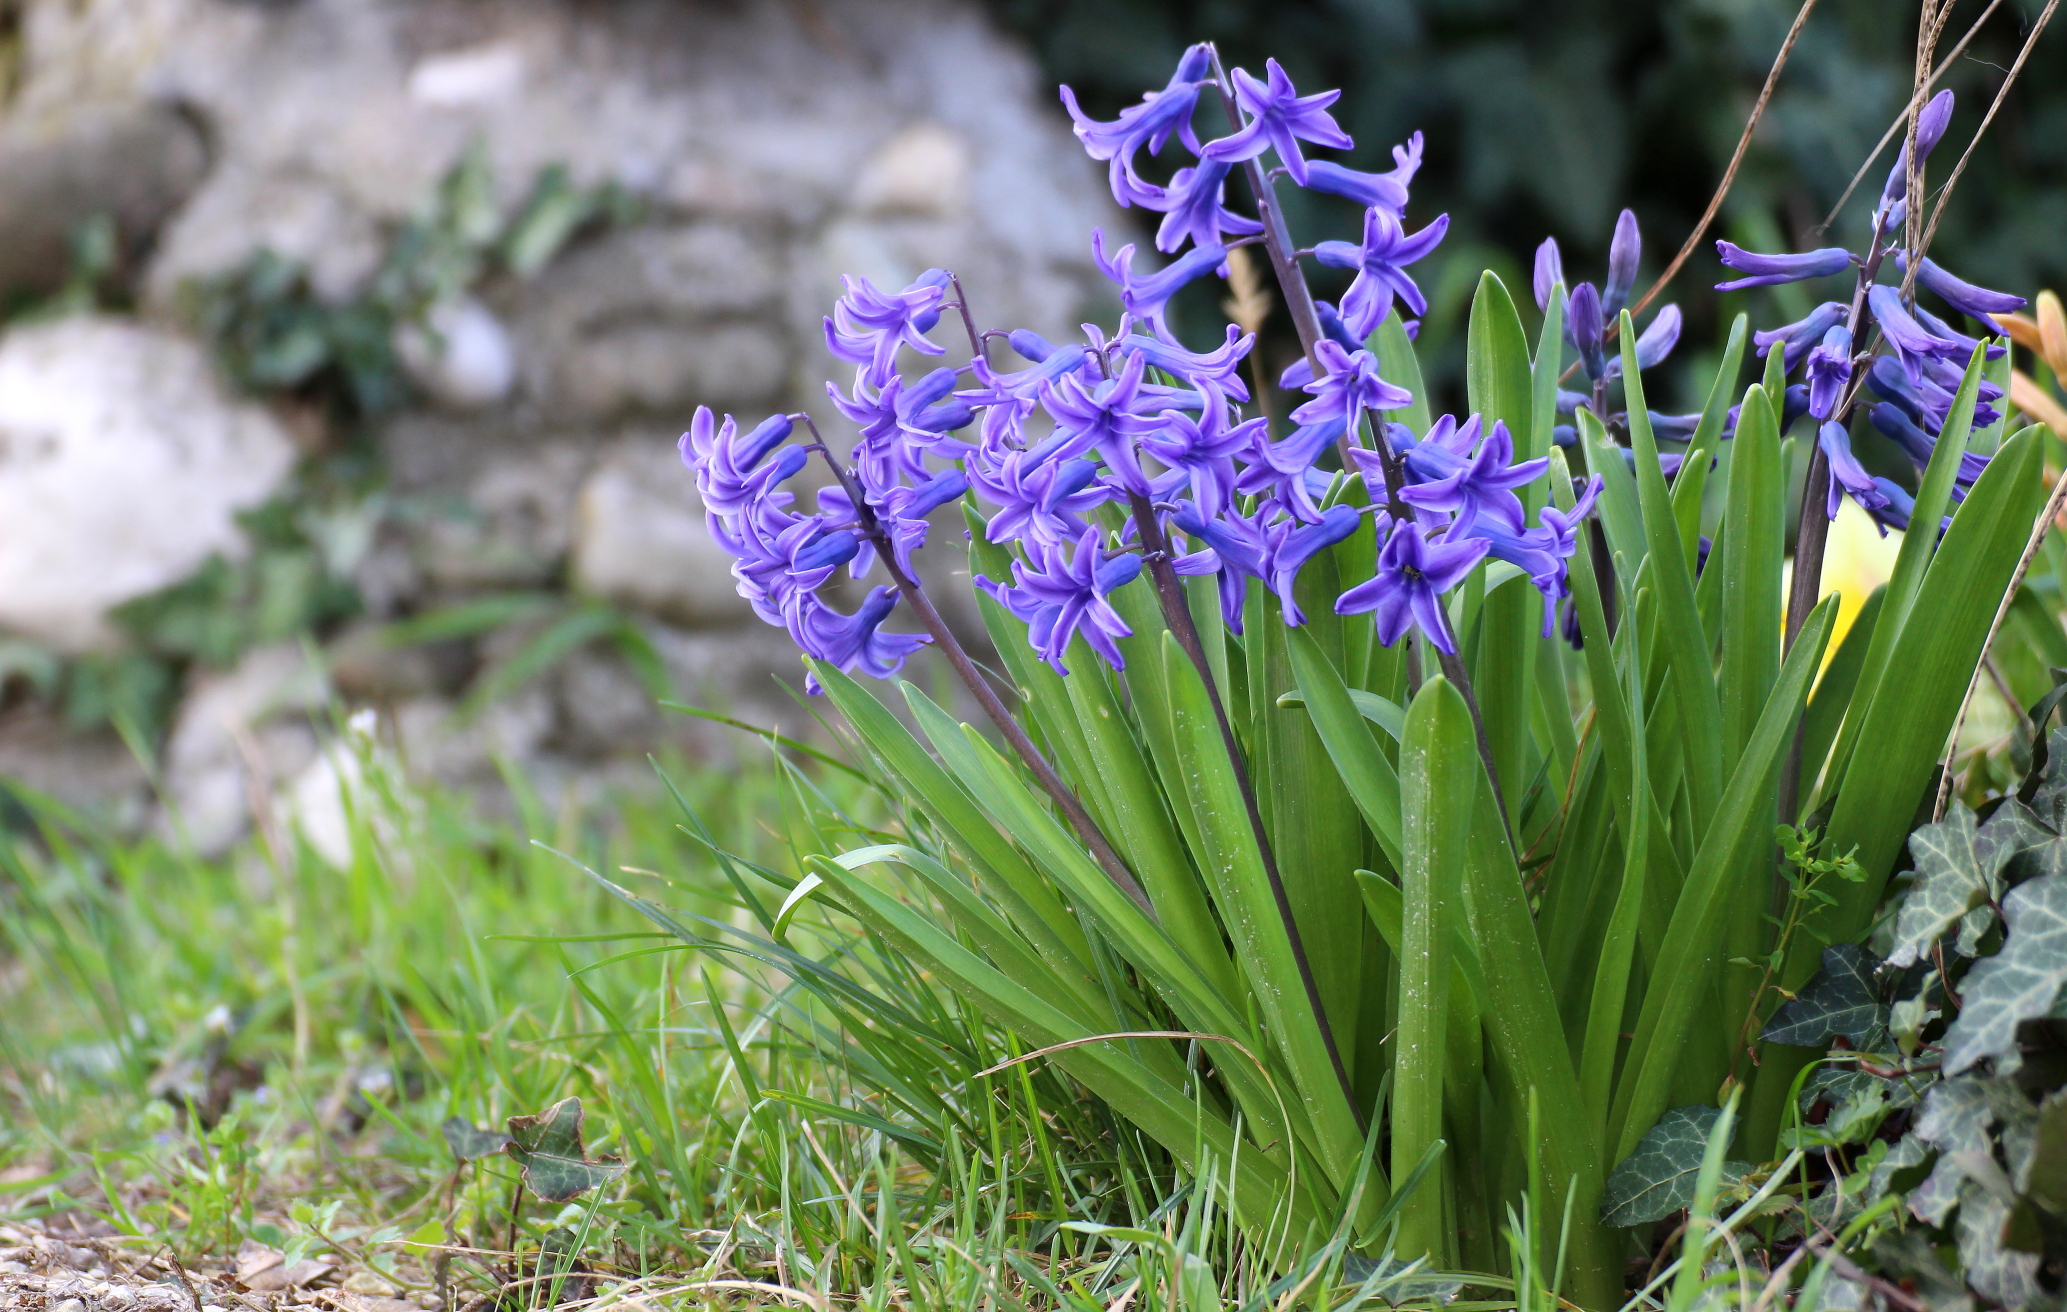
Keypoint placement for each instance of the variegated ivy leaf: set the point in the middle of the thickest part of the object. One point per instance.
(2017, 984)
(1658, 1178)
(1958, 868)
(548, 1147)
(1841, 999)
(1905, 1154)
(1997, 1272)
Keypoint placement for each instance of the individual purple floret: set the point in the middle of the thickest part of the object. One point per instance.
(868, 325)
(1830, 368)
(1289, 545)
(1380, 264)
(1847, 476)
(1149, 123)
(1931, 123)
(1549, 271)
(1920, 446)
(1803, 335)
(850, 642)
(1961, 295)
(1348, 386)
(1913, 343)
(1624, 250)
(1541, 552)
(1413, 574)
(1280, 118)
(1586, 332)
(1386, 189)
(1060, 593)
(1773, 270)
(1144, 297)
(1202, 451)
(1459, 473)
(1195, 209)
(1653, 344)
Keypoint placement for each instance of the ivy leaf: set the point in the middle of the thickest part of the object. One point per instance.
(548, 1147)
(1997, 1272)
(468, 1141)
(1957, 869)
(1658, 1178)
(2018, 983)
(1841, 999)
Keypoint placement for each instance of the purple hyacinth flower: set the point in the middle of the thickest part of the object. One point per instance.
(1236, 549)
(884, 452)
(1550, 271)
(1847, 476)
(1038, 500)
(994, 387)
(1937, 327)
(1221, 367)
(1800, 337)
(868, 325)
(1931, 123)
(1144, 297)
(1149, 123)
(1284, 469)
(1653, 344)
(1585, 330)
(1830, 368)
(850, 642)
(1961, 295)
(1290, 545)
(1195, 209)
(730, 475)
(1623, 253)
(1061, 593)
(1919, 446)
(1772, 270)
(1380, 264)
(1348, 386)
(1280, 118)
(1102, 418)
(1407, 591)
(1460, 475)
(1899, 510)
(1911, 340)
(1673, 428)
(1540, 552)
(1367, 189)
(1203, 450)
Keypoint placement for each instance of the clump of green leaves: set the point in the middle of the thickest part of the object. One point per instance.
(273, 332)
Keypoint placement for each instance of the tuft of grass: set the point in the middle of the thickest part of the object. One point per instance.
(199, 1054)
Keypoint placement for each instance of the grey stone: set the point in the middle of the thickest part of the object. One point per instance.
(655, 366)
(640, 539)
(239, 734)
(513, 527)
(460, 354)
(134, 162)
(92, 772)
(122, 464)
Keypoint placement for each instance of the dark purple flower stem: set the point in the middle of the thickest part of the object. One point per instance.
(1284, 261)
(1093, 837)
(1177, 614)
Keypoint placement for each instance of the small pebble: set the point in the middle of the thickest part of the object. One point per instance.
(71, 1305)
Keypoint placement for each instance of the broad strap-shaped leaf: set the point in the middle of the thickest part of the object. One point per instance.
(1372, 782)
(1692, 943)
(1910, 715)
(1682, 642)
(1841, 999)
(470, 1142)
(1659, 1177)
(1438, 788)
(548, 1148)
(1398, 365)
(2018, 983)
(1958, 868)
(1749, 561)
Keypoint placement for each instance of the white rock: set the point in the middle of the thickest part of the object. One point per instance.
(640, 539)
(232, 725)
(122, 462)
(468, 77)
(923, 170)
(461, 354)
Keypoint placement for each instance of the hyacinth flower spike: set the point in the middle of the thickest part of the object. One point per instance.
(1061, 593)
(1149, 123)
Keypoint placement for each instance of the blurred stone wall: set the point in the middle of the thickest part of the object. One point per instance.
(770, 145)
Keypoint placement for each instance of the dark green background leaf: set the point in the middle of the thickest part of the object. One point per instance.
(548, 1147)
(1658, 1178)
